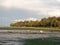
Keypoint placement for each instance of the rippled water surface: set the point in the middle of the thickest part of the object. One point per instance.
(20, 39)
(11, 41)
(24, 41)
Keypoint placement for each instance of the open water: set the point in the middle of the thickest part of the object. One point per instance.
(19, 39)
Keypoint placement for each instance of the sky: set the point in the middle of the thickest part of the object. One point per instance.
(16, 10)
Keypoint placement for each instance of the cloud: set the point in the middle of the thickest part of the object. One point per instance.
(58, 0)
(8, 16)
(54, 13)
(39, 6)
(27, 19)
(22, 9)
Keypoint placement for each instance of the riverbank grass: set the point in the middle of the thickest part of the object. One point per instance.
(28, 28)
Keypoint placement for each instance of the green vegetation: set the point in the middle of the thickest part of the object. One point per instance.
(29, 28)
(45, 22)
(43, 41)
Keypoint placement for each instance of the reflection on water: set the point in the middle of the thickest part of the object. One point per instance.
(24, 38)
(19, 39)
(11, 41)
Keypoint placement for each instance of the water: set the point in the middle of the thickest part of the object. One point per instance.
(11, 41)
(19, 39)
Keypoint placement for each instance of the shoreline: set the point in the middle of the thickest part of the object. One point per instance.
(28, 28)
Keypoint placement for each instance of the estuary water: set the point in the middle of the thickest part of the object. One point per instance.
(15, 38)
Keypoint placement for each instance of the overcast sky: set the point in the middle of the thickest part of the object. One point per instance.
(11, 10)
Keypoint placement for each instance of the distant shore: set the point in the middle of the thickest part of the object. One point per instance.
(28, 28)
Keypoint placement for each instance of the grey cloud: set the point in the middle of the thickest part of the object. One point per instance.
(7, 16)
(1, 1)
(51, 3)
(14, 13)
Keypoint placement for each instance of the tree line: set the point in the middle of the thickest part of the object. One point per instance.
(44, 22)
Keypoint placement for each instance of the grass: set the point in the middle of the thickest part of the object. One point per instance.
(28, 28)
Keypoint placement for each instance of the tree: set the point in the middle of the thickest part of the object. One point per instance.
(44, 22)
